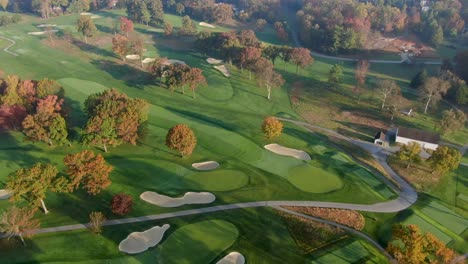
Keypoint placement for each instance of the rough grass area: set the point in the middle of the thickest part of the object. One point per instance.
(199, 242)
(348, 253)
(350, 218)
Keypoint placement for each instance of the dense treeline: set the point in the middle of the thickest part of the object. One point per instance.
(337, 26)
(50, 8)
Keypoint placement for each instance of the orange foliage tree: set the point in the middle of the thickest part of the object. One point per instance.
(182, 139)
(120, 45)
(88, 170)
(272, 127)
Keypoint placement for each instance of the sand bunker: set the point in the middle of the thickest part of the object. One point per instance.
(213, 61)
(232, 258)
(138, 242)
(224, 70)
(148, 60)
(86, 14)
(4, 194)
(46, 25)
(188, 198)
(278, 149)
(175, 61)
(41, 32)
(133, 57)
(203, 24)
(95, 16)
(206, 165)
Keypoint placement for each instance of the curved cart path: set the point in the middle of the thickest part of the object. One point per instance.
(407, 196)
(12, 43)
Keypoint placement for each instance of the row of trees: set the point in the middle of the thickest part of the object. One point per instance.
(205, 10)
(145, 11)
(339, 26)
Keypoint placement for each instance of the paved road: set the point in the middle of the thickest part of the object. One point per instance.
(12, 43)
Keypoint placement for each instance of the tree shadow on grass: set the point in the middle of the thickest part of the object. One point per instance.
(91, 48)
(124, 72)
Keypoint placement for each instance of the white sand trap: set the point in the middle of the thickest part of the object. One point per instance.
(203, 24)
(138, 242)
(148, 60)
(38, 33)
(213, 61)
(95, 16)
(188, 198)
(206, 165)
(232, 258)
(4, 194)
(176, 61)
(224, 70)
(133, 57)
(295, 153)
(46, 25)
(86, 14)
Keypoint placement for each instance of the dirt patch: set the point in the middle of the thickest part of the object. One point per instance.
(410, 43)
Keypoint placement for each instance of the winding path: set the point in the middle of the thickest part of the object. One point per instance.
(9, 46)
(407, 196)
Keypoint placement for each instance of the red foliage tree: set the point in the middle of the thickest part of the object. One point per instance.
(301, 57)
(121, 204)
(126, 25)
(248, 57)
(194, 78)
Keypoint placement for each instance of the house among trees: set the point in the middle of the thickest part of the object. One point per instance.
(427, 140)
(380, 139)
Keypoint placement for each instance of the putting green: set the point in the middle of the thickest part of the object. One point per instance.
(200, 242)
(218, 180)
(312, 179)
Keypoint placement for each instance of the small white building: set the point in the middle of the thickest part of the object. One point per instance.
(380, 139)
(427, 140)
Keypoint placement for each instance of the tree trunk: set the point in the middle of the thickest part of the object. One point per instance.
(407, 165)
(86, 39)
(297, 68)
(250, 75)
(22, 239)
(105, 147)
(383, 102)
(50, 142)
(183, 89)
(427, 104)
(193, 93)
(269, 92)
(44, 207)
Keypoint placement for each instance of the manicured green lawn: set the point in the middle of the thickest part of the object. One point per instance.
(349, 253)
(199, 242)
(218, 180)
(315, 180)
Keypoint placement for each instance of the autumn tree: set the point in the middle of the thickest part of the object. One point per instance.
(335, 75)
(168, 29)
(444, 159)
(188, 27)
(272, 53)
(47, 124)
(120, 45)
(432, 90)
(260, 24)
(387, 89)
(408, 245)
(361, 72)
(180, 9)
(87, 170)
(4, 4)
(158, 67)
(121, 204)
(301, 58)
(272, 127)
(222, 13)
(47, 87)
(182, 139)
(126, 25)
(248, 38)
(96, 220)
(409, 153)
(86, 27)
(32, 183)
(248, 57)
(267, 76)
(113, 118)
(452, 120)
(18, 222)
(194, 78)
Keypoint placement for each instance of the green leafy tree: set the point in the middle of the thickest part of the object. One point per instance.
(188, 27)
(444, 159)
(335, 75)
(113, 118)
(32, 183)
(86, 27)
(47, 87)
(409, 153)
(18, 222)
(168, 29)
(96, 220)
(156, 11)
(452, 120)
(182, 139)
